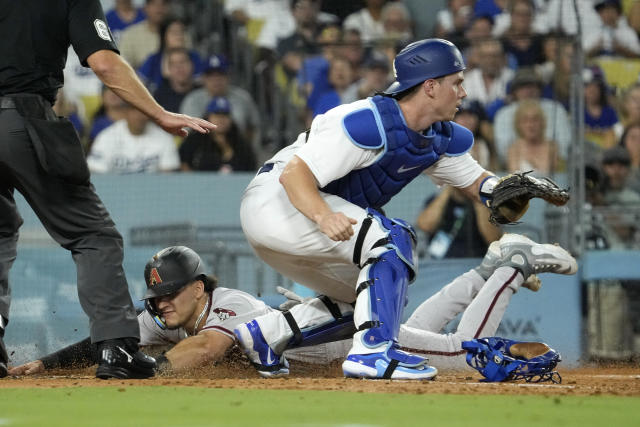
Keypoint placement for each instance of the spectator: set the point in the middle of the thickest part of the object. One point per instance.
(616, 167)
(489, 81)
(612, 36)
(519, 39)
(456, 227)
(179, 82)
(267, 21)
(353, 49)
(452, 21)
(472, 116)
(368, 21)
(81, 86)
(172, 34)
(629, 109)
(631, 141)
(215, 79)
(617, 193)
(479, 29)
(123, 14)
(528, 85)
(133, 145)
(223, 149)
(375, 75)
(536, 21)
(396, 22)
(341, 8)
(531, 150)
(314, 74)
(112, 108)
(609, 322)
(550, 46)
(140, 40)
(599, 116)
(561, 17)
(558, 88)
(309, 21)
(491, 8)
(343, 88)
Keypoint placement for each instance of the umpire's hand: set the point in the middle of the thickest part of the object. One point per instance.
(176, 124)
(118, 75)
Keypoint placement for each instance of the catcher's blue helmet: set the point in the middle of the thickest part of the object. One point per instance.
(424, 60)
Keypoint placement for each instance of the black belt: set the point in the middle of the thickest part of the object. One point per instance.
(7, 103)
(265, 168)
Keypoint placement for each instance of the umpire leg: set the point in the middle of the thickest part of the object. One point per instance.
(76, 218)
(10, 221)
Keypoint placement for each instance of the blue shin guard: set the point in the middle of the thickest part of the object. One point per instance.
(382, 296)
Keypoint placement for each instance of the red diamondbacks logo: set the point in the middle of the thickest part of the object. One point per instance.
(154, 277)
(223, 313)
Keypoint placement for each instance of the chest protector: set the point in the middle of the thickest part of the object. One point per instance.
(405, 154)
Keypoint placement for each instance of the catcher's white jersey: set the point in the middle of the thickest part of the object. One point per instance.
(331, 154)
(291, 243)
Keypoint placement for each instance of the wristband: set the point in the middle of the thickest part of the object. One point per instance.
(486, 189)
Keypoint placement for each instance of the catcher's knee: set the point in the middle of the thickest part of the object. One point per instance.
(386, 234)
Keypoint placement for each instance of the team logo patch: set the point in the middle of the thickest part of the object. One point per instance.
(154, 277)
(102, 30)
(223, 313)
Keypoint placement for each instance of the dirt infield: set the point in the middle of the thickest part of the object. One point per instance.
(609, 380)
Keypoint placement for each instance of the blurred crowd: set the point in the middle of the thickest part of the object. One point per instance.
(263, 69)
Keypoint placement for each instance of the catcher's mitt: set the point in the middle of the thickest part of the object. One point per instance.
(509, 199)
(501, 359)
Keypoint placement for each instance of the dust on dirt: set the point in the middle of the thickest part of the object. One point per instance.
(586, 381)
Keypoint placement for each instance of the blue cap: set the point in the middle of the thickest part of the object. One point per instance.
(218, 105)
(216, 63)
(424, 60)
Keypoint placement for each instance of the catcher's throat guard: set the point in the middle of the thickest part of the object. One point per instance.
(500, 359)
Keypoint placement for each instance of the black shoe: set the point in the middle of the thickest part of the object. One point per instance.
(119, 360)
(4, 358)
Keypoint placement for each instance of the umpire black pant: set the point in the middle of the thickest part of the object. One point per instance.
(75, 217)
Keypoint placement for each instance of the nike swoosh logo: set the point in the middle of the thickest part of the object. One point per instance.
(403, 169)
(270, 359)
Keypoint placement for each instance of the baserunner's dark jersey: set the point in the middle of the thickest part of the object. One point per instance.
(33, 48)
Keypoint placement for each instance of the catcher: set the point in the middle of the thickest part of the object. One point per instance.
(187, 310)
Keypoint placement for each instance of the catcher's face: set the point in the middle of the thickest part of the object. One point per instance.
(448, 95)
(176, 309)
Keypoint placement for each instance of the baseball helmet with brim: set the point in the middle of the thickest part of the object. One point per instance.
(170, 270)
(424, 60)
